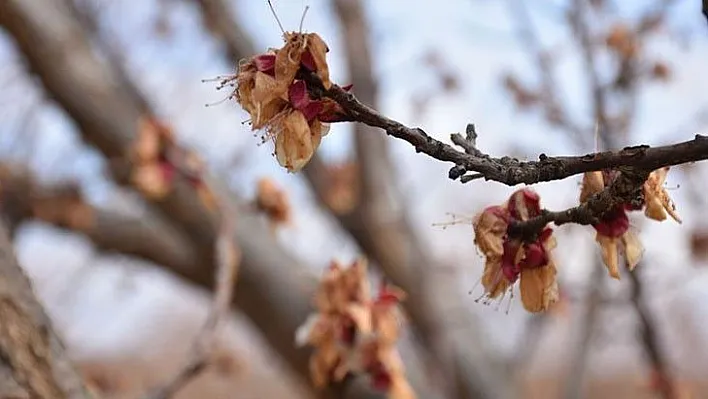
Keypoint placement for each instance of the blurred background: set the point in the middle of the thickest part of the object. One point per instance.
(534, 76)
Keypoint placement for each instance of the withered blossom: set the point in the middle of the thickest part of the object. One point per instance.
(280, 104)
(613, 232)
(510, 259)
(355, 333)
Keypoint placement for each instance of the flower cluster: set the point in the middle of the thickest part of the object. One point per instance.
(612, 232)
(267, 88)
(157, 160)
(351, 332)
(509, 259)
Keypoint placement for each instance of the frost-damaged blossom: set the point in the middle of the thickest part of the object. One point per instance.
(510, 259)
(613, 232)
(273, 201)
(267, 89)
(157, 159)
(355, 333)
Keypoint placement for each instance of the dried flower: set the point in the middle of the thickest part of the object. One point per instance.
(267, 90)
(273, 201)
(157, 160)
(612, 232)
(510, 259)
(353, 333)
(622, 41)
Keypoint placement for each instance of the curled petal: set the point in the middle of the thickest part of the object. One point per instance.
(608, 246)
(524, 204)
(294, 141)
(657, 200)
(493, 279)
(489, 230)
(317, 49)
(287, 61)
(539, 288)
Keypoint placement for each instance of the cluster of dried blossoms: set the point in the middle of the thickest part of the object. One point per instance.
(267, 88)
(273, 201)
(509, 259)
(157, 160)
(613, 232)
(351, 332)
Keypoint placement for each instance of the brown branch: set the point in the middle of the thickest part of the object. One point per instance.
(146, 237)
(33, 362)
(511, 171)
(650, 338)
(203, 347)
(273, 289)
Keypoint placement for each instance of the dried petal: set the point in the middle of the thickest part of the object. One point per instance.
(273, 201)
(489, 230)
(493, 279)
(153, 179)
(317, 49)
(287, 60)
(608, 246)
(633, 249)
(593, 183)
(539, 288)
(657, 200)
(524, 204)
(293, 143)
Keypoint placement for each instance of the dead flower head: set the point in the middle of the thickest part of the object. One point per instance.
(613, 233)
(510, 259)
(351, 332)
(273, 201)
(266, 88)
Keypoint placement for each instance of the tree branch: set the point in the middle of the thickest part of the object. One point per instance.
(33, 363)
(511, 171)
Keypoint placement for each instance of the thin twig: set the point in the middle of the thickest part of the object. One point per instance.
(228, 259)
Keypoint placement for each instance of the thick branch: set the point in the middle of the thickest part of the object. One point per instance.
(146, 237)
(511, 171)
(32, 359)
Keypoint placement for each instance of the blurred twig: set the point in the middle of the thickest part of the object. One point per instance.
(202, 349)
(650, 339)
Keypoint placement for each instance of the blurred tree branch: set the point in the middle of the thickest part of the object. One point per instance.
(33, 363)
(273, 289)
